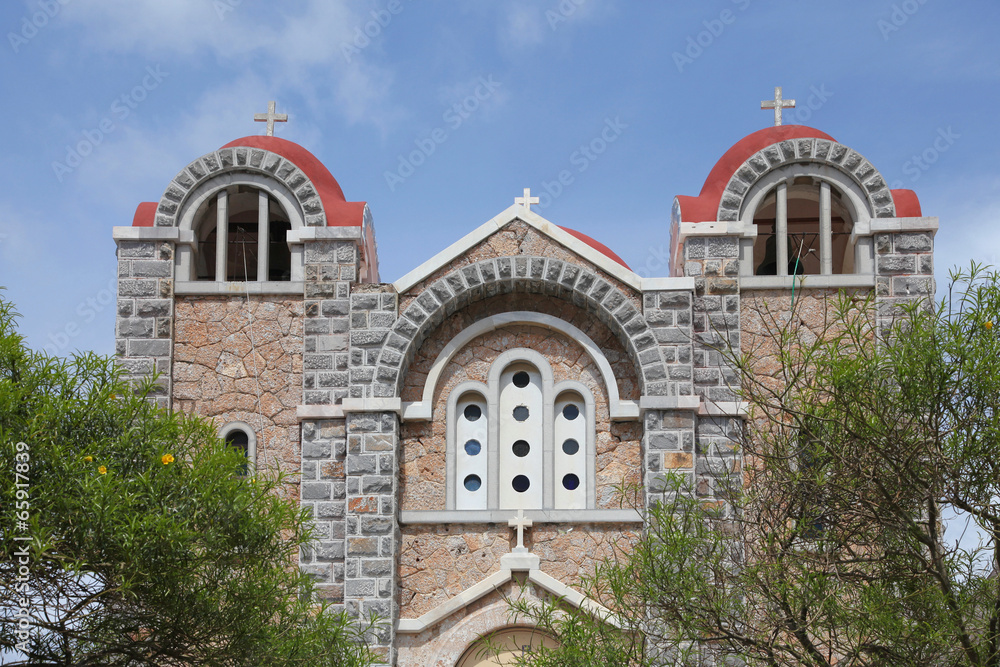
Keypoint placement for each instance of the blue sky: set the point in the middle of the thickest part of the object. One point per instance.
(146, 86)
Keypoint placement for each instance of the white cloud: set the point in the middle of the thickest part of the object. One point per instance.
(523, 25)
(299, 47)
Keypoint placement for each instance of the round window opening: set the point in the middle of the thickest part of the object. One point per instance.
(521, 448)
(472, 447)
(571, 482)
(473, 412)
(521, 413)
(521, 379)
(570, 447)
(520, 483)
(472, 483)
(571, 412)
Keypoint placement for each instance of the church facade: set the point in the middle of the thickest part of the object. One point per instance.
(463, 433)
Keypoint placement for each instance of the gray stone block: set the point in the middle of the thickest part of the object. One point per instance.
(897, 264)
(148, 348)
(316, 491)
(911, 243)
(138, 288)
(151, 269)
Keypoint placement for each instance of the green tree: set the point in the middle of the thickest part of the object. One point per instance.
(129, 538)
(828, 546)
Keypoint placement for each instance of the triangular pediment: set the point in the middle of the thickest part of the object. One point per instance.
(509, 216)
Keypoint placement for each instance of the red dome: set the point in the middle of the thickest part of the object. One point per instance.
(705, 207)
(339, 211)
(596, 245)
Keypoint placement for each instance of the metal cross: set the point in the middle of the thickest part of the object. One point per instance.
(526, 201)
(270, 118)
(519, 523)
(777, 104)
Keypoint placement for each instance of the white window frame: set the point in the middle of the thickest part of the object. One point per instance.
(251, 441)
(550, 476)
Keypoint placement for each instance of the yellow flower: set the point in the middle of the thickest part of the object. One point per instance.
(167, 459)
(88, 459)
(102, 470)
(988, 325)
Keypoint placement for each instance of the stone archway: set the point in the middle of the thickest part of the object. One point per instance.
(820, 151)
(240, 159)
(500, 648)
(531, 275)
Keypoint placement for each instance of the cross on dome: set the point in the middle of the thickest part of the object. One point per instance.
(519, 523)
(526, 201)
(270, 117)
(777, 104)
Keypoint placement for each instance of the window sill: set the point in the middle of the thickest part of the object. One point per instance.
(210, 287)
(811, 281)
(502, 516)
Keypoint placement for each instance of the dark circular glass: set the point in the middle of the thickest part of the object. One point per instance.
(571, 482)
(473, 412)
(521, 379)
(521, 448)
(571, 412)
(520, 413)
(472, 483)
(472, 447)
(520, 483)
(570, 447)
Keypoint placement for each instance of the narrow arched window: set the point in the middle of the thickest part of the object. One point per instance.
(570, 429)
(521, 437)
(240, 437)
(472, 439)
(243, 230)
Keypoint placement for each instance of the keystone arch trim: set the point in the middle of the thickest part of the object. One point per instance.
(240, 159)
(528, 274)
(806, 150)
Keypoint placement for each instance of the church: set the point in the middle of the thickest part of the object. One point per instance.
(462, 435)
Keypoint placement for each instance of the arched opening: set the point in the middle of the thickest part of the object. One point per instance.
(241, 438)
(502, 647)
(804, 227)
(570, 431)
(240, 212)
(471, 452)
(521, 437)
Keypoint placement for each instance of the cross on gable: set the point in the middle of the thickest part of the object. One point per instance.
(519, 523)
(270, 117)
(777, 104)
(526, 201)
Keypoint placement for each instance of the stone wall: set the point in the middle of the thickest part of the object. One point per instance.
(145, 312)
(330, 268)
(372, 530)
(904, 266)
(436, 563)
(324, 498)
(228, 370)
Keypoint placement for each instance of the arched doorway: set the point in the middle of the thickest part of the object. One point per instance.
(512, 642)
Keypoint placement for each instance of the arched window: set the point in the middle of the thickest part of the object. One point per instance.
(238, 214)
(804, 227)
(240, 436)
(521, 441)
(521, 437)
(471, 438)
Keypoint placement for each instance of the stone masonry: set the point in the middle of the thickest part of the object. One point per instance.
(904, 267)
(145, 313)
